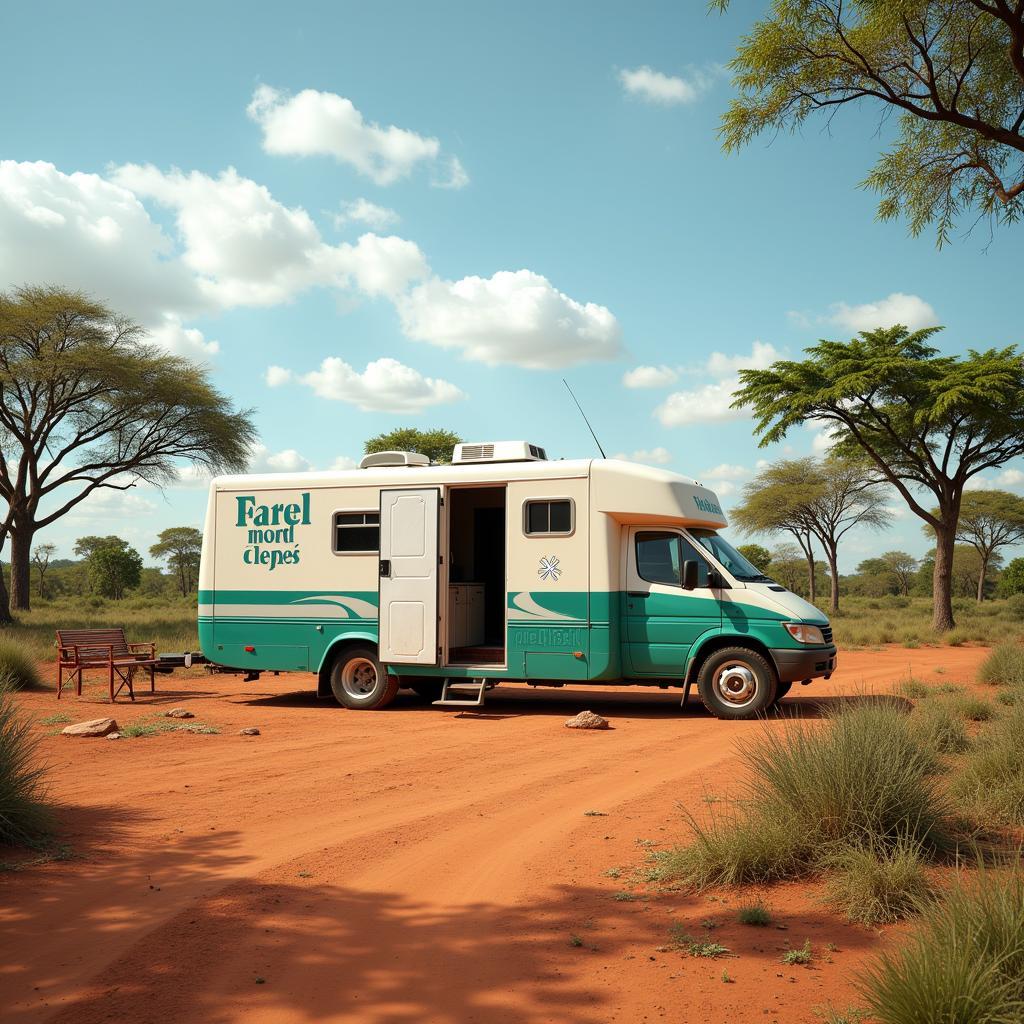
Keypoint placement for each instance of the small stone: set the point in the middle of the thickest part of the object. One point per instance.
(178, 713)
(94, 727)
(250, 731)
(113, 735)
(587, 720)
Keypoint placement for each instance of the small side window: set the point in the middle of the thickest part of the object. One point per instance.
(551, 517)
(356, 532)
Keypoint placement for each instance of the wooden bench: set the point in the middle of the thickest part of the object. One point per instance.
(81, 649)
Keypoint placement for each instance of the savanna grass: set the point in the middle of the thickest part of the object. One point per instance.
(1003, 666)
(863, 781)
(17, 667)
(990, 783)
(938, 728)
(964, 963)
(25, 818)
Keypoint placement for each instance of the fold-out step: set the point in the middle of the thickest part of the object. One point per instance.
(471, 693)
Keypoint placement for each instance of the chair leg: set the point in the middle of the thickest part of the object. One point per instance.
(152, 679)
(79, 683)
(60, 677)
(111, 684)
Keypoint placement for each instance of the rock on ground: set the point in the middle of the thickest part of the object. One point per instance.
(251, 731)
(587, 720)
(178, 713)
(113, 735)
(94, 727)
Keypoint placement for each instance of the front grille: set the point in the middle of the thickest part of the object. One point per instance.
(826, 632)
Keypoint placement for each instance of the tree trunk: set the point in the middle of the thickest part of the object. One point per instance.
(6, 619)
(942, 580)
(21, 568)
(833, 571)
(981, 579)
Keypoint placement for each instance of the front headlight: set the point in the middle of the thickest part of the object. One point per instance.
(803, 633)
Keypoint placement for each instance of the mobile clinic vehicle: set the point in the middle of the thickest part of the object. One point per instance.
(501, 566)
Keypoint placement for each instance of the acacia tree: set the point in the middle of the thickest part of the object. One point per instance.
(901, 568)
(436, 444)
(41, 555)
(953, 70)
(114, 568)
(776, 501)
(181, 546)
(87, 404)
(990, 520)
(927, 423)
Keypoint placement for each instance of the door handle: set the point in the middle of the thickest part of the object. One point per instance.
(638, 593)
(385, 567)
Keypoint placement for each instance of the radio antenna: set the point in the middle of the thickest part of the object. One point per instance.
(585, 420)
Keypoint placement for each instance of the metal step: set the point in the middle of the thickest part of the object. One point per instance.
(475, 687)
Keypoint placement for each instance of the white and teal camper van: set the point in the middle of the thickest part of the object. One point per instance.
(447, 579)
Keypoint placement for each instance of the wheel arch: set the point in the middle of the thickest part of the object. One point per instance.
(721, 641)
(336, 646)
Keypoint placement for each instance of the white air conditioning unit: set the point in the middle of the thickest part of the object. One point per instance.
(497, 451)
(378, 459)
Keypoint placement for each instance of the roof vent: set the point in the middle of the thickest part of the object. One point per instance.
(379, 459)
(498, 451)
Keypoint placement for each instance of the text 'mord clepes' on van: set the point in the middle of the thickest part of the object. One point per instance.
(503, 565)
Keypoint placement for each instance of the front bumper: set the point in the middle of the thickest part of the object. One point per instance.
(794, 665)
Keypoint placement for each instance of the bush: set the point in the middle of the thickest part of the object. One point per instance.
(24, 818)
(17, 669)
(972, 709)
(878, 886)
(863, 781)
(964, 963)
(938, 728)
(1004, 665)
(755, 914)
(990, 785)
(1015, 606)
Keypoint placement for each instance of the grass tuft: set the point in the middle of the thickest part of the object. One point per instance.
(25, 819)
(965, 962)
(802, 956)
(17, 668)
(990, 784)
(755, 914)
(1005, 665)
(939, 729)
(701, 949)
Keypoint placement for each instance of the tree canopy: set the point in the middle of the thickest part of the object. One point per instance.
(181, 547)
(926, 422)
(113, 569)
(437, 444)
(952, 70)
(87, 404)
(990, 520)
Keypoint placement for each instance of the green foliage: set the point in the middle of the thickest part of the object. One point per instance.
(990, 520)
(951, 71)
(701, 949)
(437, 444)
(928, 423)
(756, 554)
(964, 962)
(990, 784)
(864, 781)
(755, 914)
(17, 667)
(1011, 580)
(1003, 666)
(938, 729)
(181, 546)
(802, 956)
(114, 569)
(24, 817)
(878, 885)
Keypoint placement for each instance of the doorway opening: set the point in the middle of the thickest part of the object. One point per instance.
(476, 576)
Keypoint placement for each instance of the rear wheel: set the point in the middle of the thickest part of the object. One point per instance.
(737, 682)
(360, 682)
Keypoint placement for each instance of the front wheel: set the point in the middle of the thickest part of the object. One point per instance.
(781, 689)
(360, 682)
(737, 682)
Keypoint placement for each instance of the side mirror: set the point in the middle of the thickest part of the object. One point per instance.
(715, 581)
(689, 575)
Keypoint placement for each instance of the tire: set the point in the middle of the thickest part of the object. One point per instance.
(428, 689)
(736, 683)
(781, 689)
(360, 682)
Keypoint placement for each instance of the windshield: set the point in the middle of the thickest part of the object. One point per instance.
(739, 568)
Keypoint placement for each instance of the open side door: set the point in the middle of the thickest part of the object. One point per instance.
(409, 532)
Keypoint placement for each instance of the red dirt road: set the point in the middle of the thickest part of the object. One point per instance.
(412, 865)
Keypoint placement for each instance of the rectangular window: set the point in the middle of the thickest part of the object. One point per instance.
(551, 517)
(356, 532)
(660, 557)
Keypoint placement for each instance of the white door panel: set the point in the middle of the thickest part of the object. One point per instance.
(408, 580)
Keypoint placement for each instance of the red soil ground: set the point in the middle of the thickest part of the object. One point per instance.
(411, 865)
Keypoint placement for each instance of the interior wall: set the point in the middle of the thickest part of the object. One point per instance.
(462, 503)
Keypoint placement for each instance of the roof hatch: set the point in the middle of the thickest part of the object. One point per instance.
(393, 459)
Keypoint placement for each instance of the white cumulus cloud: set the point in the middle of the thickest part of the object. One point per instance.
(314, 123)
(709, 403)
(650, 456)
(898, 308)
(514, 317)
(649, 377)
(386, 385)
(362, 211)
(656, 87)
(173, 337)
(277, 376)
(263, 460)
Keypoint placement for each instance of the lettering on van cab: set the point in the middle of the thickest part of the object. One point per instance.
(270, 530)
(707, 506)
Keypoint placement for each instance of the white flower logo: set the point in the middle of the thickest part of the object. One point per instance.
(549, 569)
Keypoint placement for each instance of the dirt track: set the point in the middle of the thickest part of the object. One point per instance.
(412, 865)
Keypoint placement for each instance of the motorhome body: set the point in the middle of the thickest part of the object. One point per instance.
(500, 566)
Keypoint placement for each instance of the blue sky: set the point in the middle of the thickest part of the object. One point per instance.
(428, 214)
